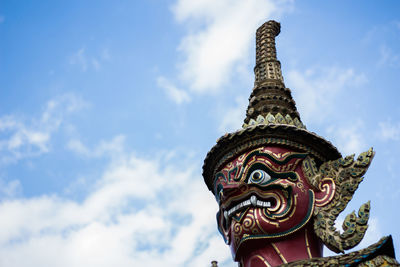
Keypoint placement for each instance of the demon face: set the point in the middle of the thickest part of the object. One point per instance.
(263, 194)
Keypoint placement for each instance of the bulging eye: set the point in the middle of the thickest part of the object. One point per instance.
(259, 177)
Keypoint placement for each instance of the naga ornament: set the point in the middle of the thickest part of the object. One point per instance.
(280, 187)
(344, 175)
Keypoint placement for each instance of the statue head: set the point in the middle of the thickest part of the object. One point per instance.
(274, 178)
(264, 194)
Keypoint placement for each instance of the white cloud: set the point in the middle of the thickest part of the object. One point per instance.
(10, 189)
(116, 145)
(388, 57)
(389, 131)
(220, 36)
(21, 138)
(141, 212)
(84, 61)
(177, 95)
(233, 118)
(348, 138)
(79, 58)
(318, 88)
(96, 64)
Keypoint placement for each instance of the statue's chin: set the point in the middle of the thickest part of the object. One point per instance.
(257, 224)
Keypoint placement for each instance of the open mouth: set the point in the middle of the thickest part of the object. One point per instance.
(253, 201)
(275, 204)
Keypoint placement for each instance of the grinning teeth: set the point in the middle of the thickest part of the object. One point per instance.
(267, 204)
(253, 201)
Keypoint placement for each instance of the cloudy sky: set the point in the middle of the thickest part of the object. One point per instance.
(108, 108)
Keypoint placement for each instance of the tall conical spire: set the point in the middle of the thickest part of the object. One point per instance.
(270, 100)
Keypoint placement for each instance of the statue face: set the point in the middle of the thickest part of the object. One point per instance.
(263, 194)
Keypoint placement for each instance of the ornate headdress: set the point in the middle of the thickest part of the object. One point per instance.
(272, 119)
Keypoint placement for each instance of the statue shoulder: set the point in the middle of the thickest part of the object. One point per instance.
(378, 254)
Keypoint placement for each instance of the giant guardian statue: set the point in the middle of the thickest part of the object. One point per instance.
(280, 187)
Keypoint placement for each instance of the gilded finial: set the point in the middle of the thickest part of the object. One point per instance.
(267, 65)
(270, 101)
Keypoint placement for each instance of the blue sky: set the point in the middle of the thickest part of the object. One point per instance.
(107, 110)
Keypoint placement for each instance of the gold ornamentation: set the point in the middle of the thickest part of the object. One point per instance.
(356, 258)
(265, 219)
(328, 187)
(274, 119)
(381, 260)
(300, 185)
(294, 207)
(249, 222)
(258, 222)
(253, 144)
(237, 228)
(251, 158)
(346, 174)
(279, 253)
(247, 237)
(288, 119)
(263, 260)
(307, 245)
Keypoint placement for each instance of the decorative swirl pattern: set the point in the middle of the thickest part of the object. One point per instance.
(346, 173)
(237, 228)
(249, 222)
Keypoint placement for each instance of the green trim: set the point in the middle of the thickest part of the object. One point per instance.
(287, 232)
(271, 157)
(218, 175)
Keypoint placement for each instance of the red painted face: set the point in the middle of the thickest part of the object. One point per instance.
(262, 194)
